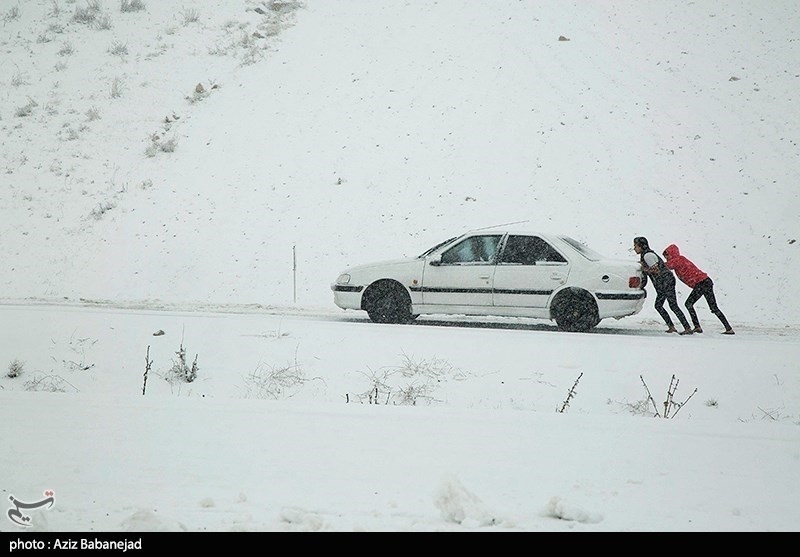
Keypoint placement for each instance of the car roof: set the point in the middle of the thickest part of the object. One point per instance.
(514, 229)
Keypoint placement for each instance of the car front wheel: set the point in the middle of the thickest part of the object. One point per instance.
(388, 302)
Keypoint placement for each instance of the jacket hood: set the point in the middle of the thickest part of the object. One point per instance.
(671, 251)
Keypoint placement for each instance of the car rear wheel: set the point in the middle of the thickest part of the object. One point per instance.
(388, 302)
(575, 310)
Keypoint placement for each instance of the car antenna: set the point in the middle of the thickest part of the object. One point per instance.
(504, 224)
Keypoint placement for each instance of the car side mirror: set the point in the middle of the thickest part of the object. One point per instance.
(436, 260)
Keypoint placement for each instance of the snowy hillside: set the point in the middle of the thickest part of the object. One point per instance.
(181, 152)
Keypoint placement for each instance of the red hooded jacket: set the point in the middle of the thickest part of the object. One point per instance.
(687, 271)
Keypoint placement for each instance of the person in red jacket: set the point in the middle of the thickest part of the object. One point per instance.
(700, 283)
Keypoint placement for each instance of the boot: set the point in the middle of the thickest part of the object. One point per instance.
(686, 331)
(728, 332)
(698, 329)
(671, 329)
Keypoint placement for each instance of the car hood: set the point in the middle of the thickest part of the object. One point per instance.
(383, 264)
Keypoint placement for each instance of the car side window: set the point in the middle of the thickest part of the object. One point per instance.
(528, 250)
(475, 249)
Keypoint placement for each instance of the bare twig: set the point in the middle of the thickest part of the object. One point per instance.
(684, 402)
(767, 414)
(650, 398)
(673, 385)
(669, 403)
(147, 363)
(572, 392)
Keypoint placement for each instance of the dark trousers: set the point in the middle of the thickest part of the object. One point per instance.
(705, 288)
(665, 292)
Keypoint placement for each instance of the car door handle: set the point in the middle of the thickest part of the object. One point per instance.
(484, 277)
(557, 276)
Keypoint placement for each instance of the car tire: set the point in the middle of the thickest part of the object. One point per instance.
(388, 302)
(574, 310)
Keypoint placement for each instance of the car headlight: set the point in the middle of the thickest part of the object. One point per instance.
(344, 278)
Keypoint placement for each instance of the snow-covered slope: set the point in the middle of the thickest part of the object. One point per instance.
(241, 152)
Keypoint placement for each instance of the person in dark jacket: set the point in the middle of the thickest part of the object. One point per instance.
(664, 283)
(700, 283)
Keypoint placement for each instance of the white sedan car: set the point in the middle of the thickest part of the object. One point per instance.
(497, 272)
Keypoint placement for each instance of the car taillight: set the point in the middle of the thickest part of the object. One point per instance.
(634, 282)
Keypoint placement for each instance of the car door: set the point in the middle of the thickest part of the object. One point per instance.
(528, 270)
(462, 274)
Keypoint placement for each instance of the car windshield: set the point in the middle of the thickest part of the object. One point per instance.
(437, 246)
(583, 249)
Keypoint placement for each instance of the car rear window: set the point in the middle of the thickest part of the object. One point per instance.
(583, 249)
